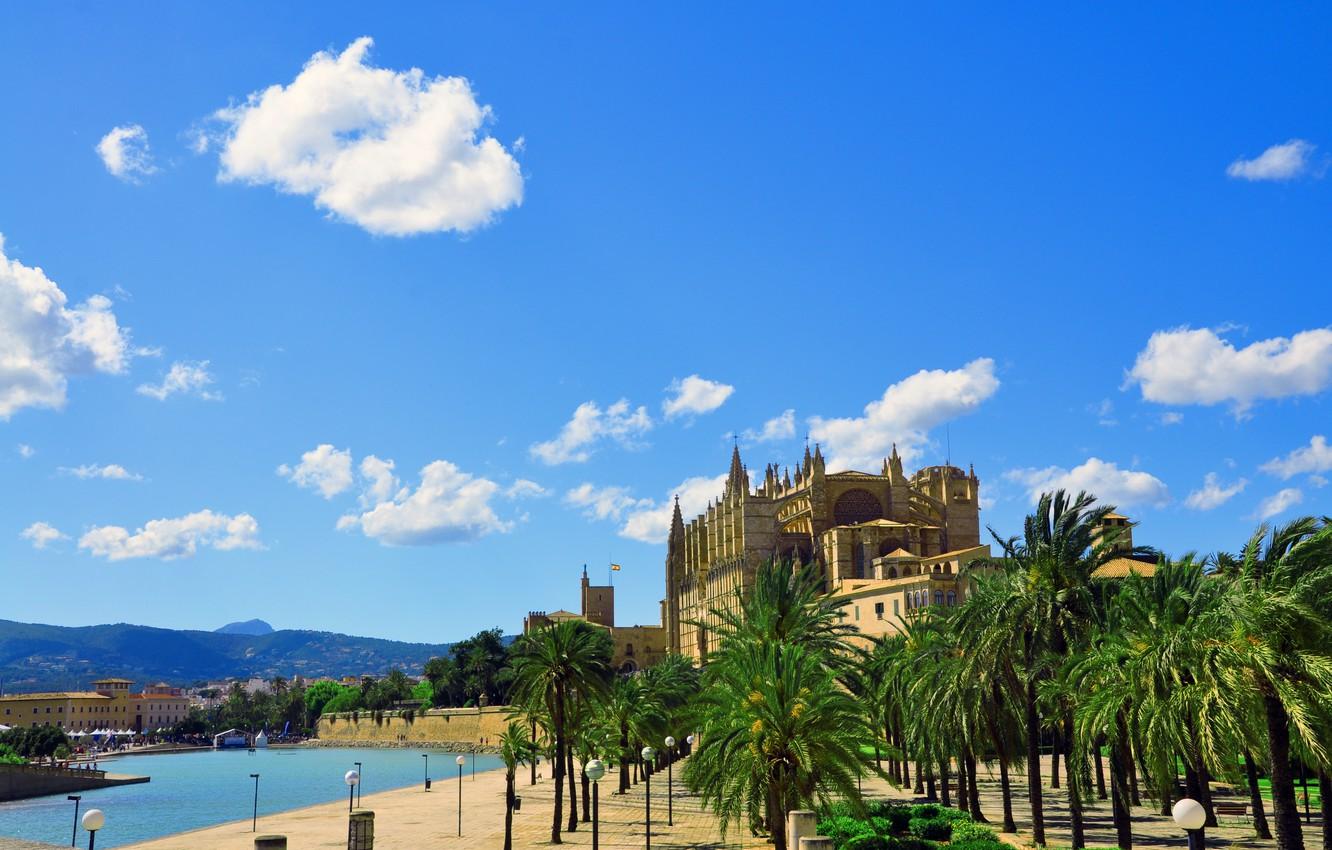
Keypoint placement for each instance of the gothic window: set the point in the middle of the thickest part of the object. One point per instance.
(855, 506)
(952, 599)
(890, 545)
(892, 572)
(858, 560)
(938, 597)
(629, 650)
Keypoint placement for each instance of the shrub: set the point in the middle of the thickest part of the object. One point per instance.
(842, 828)
(841, 808)
(978, 844)
(969, 831)
(909, 842)
(925, 810)
(870, 842)
(934, 829)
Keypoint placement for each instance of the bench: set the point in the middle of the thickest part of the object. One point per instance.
(1228, 809)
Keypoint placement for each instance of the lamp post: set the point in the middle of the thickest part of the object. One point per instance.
(1190, 815)
(352, 778)
(460, 760)
(359, 772)
(93, 820)
(648, 755)
(670, 781)
(426, 756)
(254, 819)
(595, 769)
(75, 834)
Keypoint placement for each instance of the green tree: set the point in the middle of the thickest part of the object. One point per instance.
(516, 747)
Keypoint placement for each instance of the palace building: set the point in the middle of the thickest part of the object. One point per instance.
(110, 705)
(887, 542)
(635, 647)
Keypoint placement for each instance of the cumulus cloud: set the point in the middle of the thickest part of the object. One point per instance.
(1313, 458)
(1103, 479)
(1213, 494)
(43, 341)
(1186, 366)
(25, 451)
(42, 534)
(651, 523)
(524, 489)
(168, 539)
(904, 415)
(590, 425)
(323, 468)
(448, 506)
(1278, 503)
(693, 395)
(395, 152)
(111, 471)
(1171, 417)
(779, 427)
(183, 378)
(124, 152)
(380, 482)
(1279, 162)
(604, 502)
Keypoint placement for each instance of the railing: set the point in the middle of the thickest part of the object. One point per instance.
(54, 770)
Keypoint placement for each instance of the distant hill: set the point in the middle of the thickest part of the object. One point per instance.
(37, 657)
(246, 627)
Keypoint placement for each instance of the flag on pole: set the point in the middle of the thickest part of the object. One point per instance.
(615, 568)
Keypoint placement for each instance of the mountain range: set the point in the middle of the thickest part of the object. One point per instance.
(35, 657)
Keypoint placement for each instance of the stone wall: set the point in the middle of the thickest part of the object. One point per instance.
(21, 781)
(460, 728)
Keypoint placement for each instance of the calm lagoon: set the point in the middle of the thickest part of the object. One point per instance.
(199, 789)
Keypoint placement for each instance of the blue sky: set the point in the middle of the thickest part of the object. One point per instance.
(1084, 246)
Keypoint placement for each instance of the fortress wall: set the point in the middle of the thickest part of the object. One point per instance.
(466, 726)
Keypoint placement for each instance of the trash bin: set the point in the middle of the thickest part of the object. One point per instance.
(427, 784)
(517, 803)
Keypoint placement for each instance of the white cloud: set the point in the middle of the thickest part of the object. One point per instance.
(395, 152)
(779, 427)
(113, 471)
(25, 451)
(323, 468)
(1171, 417)
(1279, 162)
(43, 341)
(604, 502)
(169, 539)
(652, 524)
(42, 534)
(589, 425)
(1106, 481)
(904, 415)
(1213, 494)
(693, 395)
(186, 378)
(1185, 366)
(525, 489)
(1313, 458)
(1278, 503)
(1104, 410)
(448, 506)
(124, 152)
(380, 482)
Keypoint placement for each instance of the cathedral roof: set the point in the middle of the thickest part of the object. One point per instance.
(902, 553)
(1123, 567)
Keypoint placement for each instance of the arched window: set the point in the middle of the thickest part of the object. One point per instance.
(948, 569)
(629, 650)
(952, 599)
(858, 561)
(890, 545)
(892, 572)
(938, 597)
(856, 506)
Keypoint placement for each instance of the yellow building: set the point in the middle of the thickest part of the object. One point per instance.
(635, 647)
(110, 705)
(906, 538)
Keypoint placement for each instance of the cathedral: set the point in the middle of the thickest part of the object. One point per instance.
(881, 540)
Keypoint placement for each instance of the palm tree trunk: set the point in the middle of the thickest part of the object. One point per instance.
(976, 813)
(1054, 759)
(508, 811)
(1285, 811)
(573, 791)
(1205, 788)
(587, 797)
(557, 770)
(776, 823)
(1119, 795)
(624, 758)
(931, 793)
(1326, 805)
(963, 799)
(1006, 791)
(1256, 801)
(1074, 777)
(1134, 799)
(945, 799)
(534, 761)
(1034, 768)
(906, 766)
(1100, 770)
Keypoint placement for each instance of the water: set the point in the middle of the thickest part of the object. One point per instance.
(199, 789)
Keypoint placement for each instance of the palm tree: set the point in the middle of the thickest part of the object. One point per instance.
(551, 666)
(516, 747)
(1273, 621)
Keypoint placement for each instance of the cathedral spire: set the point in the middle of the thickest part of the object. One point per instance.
(735, 481)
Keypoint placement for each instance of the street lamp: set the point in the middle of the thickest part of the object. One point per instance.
(426, 756)
(75, 834)
(460, 760)
(595, 769)
(359, 772)
(1190, 815)
(670, 781)
(352, 778)
(254, 820)
(648, 755)
(93, 820)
